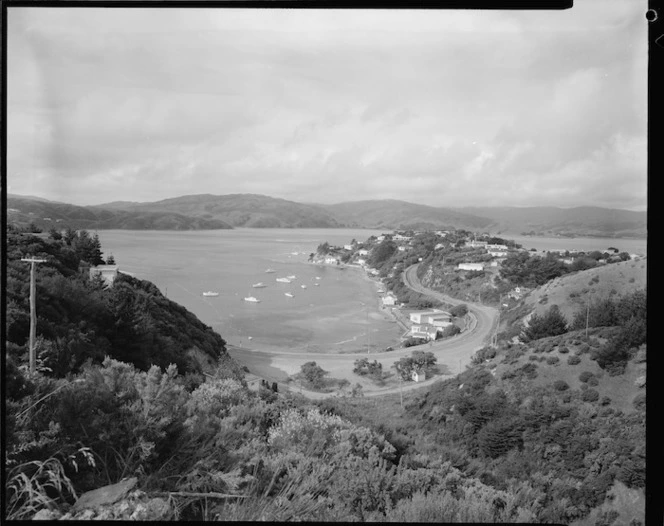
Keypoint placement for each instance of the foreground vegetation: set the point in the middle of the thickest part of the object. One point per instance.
(131, 385)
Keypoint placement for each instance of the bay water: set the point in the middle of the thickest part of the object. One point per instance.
(338, 311)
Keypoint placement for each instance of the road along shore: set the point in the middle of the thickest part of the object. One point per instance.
(453, 354)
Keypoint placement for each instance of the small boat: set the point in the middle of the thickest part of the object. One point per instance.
(303, 286)
(318, 277)
(288, 294)
(270, 271)
(317, 284)
(283, 280)
(259, 285)
(292, 277)
(251, 299)
(209, 293)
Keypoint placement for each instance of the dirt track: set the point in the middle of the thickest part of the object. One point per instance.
(453, 354)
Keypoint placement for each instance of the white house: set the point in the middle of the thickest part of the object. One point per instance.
(471, 266)
(331, 260)
(348, 247)
(418, 376)
(402, 248)
(361, 261)
(363, 252)
(496, 247)
(419, 316)
(498, 253)
(389, 300)
(477, 244)
(424, 330)
(380, 238)
(107, 272)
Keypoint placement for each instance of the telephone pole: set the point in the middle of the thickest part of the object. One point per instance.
(33, 312)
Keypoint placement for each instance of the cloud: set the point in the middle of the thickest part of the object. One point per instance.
(447, 108)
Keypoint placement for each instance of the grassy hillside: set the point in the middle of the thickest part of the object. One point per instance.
(572, 291)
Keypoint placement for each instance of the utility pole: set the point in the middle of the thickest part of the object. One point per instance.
(587, 315)
(33, 312)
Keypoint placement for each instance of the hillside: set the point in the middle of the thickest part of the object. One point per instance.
(239, 210)
(584, 221)
(82, 320)
(571, 292)
(22, 211)
(394, 214)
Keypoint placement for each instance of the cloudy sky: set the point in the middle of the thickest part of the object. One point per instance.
(443, 107)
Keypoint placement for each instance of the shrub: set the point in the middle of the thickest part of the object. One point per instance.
(563, 350)
(585, 376)
(560, 385)
(552, 360)
(593, 381)
(605, 400)
(533, 358)
(590, 395)
(573, 360)
(639, 402)
(584, 349)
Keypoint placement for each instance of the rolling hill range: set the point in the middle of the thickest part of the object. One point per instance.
(206, 212)
(396, 214)
(240, 210)
(586, 221)
(49, 214)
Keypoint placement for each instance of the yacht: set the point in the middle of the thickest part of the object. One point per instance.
(292, 277)
(210, 293)
(259, 285)
(251, 299)
(288, 294)
(303, 286)
(270, 271)
(283, 280)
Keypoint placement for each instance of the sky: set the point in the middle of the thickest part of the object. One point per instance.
(447, 108)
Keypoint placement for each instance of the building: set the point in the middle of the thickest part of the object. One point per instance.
(389, 300)
(107, 272)
(471, 266)
(496, 247)
(361, 261)
(498, 253)
(424, 330)
(348, 247)
(477, 244)
(363, 252)
(330, 260)
(418, 376)
(402, 248)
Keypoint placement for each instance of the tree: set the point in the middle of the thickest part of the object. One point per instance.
(55, 234)
(110, 260)
(313, 373)
(382, 253)
(552, 323)
(459, 311)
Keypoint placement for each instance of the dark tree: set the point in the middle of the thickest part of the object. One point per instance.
(552, 323)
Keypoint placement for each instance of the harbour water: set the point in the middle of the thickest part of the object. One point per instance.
(339, 312)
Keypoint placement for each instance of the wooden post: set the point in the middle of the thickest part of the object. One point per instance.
(33, 313)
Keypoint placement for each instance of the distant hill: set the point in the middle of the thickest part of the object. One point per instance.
(586, 221)
(206, 211)
(240, 210)
(395, 214)
(48, 214)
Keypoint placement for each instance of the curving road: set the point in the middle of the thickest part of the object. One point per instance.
(453, 353)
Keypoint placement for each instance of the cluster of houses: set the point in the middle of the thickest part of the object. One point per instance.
(428, 324)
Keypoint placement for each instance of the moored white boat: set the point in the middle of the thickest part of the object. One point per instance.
(288, 294)
(210, 293)
(251, 299)
(292, 277)
(270, 271)
(283, 280)
(259, 285)
(303, 286)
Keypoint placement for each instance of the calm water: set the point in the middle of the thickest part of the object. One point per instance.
(632, 246)
(342, 313)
